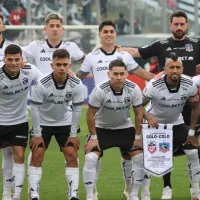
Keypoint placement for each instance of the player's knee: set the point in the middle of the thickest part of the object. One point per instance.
(192, 155)
(138, 160)
(7, 153)
(37, 158)
(126, 157)
(19, 156)
(90, 161)
(71, 157)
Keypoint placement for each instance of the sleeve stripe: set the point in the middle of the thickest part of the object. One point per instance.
(146, 97)
(93, 107)
(36, 103)
(139, 105)
(80, 103)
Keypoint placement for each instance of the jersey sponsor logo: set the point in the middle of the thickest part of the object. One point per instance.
(188, 47)
(100, 61)
(45, 59)
(54, 102)
(151, 147)
(102, 68)
(184, 58)
(42, 51)
(172, 105)
(164, 147)
(116, 108)
(15, 92)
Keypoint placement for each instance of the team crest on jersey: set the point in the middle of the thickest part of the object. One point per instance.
(1, 77)
(68, 95)
(127, 100)
(164, 147)
(151, 147)
(25, 81)
(119, 58)
(188, 47)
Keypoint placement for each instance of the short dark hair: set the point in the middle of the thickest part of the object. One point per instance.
(61, 53)
(178, 13)
(173, 56)
(13, 49)
(106, 23)
(1, 17)
(117, 63)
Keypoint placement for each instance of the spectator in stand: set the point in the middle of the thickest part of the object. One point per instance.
(17, 16)
(153, 65)
(4, 12)
(122, 25)
(137, 27)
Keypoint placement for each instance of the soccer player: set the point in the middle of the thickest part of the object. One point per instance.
(187, 49)
(51, 116)
(14, 85)
(97, 62)
(114, 98)
(42, 50)
(168, 95)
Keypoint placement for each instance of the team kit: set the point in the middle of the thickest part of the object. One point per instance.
(166, 111)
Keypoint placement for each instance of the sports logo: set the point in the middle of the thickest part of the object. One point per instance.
(151, 147)
(188, 47)
(127, 100)
(68, 95)
(164, 147)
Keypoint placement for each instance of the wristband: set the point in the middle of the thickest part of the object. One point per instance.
(191, 132)
(137, 137)
(93, 137)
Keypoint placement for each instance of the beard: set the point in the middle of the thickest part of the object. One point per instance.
(179, 34)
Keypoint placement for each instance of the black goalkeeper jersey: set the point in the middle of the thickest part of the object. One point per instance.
(188, 50)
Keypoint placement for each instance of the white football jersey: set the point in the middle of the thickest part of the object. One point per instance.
(13, 94)
(55, 100)
(196, 79)
(113, 108)
(41, 51)
(98, 61)
(167, 104)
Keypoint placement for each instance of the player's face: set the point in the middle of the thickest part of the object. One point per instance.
(173, 69)
(54, 29)
(2, 27)
(117, 76)
(60, 66)
(13, 63)
(179, 27)
(107, 35)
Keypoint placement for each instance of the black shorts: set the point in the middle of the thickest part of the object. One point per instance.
(61, 134)
(180, 133)
(14, 135)
(121, 138)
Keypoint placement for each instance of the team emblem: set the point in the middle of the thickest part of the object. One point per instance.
(189, 47)
(151, 147)
(164, 147)
(68, 95)
(127, 100)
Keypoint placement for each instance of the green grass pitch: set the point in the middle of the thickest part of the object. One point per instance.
(110, 183)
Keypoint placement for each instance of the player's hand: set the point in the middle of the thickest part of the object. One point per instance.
(35, 142)
(91, 144)
(137, 144)
(71, 73)
(191, 140)
(152, 121)
(75, 142)
(158, 76)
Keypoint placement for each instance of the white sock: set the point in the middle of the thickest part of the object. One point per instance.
(35, 175)
(19, 174)
(98, 168)
(72, 175)
(127, 166)
(146, 182)
(7, 167)
(89, 173)
(29, 158)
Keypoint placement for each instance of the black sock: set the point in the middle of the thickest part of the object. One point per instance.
(167, 180)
